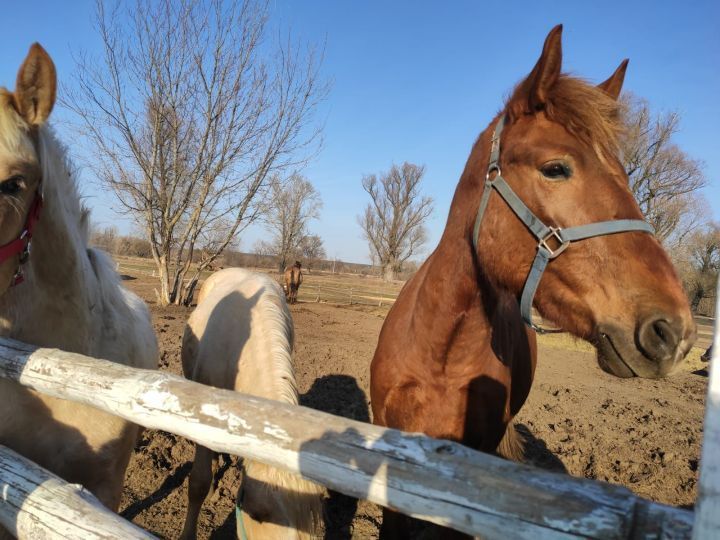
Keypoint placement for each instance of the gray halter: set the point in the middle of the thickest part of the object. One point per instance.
(543, 233)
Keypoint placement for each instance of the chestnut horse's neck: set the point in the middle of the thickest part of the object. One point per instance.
(456, 300)
(53, 305)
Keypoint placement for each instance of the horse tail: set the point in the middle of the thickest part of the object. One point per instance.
(512, 445)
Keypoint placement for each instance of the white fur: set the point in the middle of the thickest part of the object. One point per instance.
(73, 300)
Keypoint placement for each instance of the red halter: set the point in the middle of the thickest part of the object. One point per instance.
(21, 245)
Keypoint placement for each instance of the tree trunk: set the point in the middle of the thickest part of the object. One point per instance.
(189, 290)
(164, 294)
(697, 297)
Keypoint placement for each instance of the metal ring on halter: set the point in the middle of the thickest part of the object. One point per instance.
(491, 169)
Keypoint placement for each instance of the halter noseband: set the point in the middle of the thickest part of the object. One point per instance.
(546, 235)
(21, 245)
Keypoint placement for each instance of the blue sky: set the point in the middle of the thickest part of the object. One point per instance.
(417, 81)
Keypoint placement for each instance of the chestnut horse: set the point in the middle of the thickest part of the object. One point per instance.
(543, 200)
(293, 280)
(63, 294)
(240, 337)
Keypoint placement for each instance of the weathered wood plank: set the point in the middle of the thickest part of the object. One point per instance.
(36, 504)
(707, 508)
(440, 481)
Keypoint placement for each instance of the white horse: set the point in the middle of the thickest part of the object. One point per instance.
(240, 337)
(63, 294)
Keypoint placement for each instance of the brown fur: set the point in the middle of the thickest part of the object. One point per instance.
(293, 279)
(454, 359)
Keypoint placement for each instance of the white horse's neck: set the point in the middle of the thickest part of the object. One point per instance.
(53, 306)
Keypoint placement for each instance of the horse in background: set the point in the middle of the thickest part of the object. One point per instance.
(542, 215)
(293, 280)
(63, 294)
(240, 337)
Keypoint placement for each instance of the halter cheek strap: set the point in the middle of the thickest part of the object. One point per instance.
(552, 241)
(240, 523)
(21, 245)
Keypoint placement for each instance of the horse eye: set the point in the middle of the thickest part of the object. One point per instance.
(12, 185)
(556, 171)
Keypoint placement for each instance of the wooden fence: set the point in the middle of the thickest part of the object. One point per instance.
(38, 504)
(435, 480)
(313, 289)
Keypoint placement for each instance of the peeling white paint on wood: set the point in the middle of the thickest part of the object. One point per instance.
(36, 504)
(440, 481)
(707, 508)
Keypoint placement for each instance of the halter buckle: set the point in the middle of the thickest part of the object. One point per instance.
(554, 236)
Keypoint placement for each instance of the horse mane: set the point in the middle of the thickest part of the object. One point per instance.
(584, 110)
(276, 328)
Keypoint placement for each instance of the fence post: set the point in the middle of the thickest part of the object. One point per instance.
(317, 298)
(707, 508)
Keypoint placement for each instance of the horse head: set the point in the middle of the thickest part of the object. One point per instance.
(556, 188)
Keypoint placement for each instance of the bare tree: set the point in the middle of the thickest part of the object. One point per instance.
(190, 116)
(698, 263)
(393, 222)
(663, 178)
(264, 249)
(105, 238)
(311, 247)
(292, 205)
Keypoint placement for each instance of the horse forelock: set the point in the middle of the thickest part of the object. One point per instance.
(14, 132)
(581, 108)
(302, 500)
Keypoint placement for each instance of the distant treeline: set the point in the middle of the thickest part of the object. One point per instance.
(109, 240)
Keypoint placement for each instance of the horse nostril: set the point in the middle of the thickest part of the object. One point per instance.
(658, 338)
(659, 330)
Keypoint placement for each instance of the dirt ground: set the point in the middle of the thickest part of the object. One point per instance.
(642, 434)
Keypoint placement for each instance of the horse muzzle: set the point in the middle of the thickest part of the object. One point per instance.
(653, 349)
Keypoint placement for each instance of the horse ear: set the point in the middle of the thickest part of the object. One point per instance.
(547, 70)
(36, 86)
(613, 85)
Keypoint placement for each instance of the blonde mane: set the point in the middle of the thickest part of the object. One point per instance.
(277, 333)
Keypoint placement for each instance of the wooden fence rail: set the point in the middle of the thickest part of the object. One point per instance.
(435, 480)
(35, 503)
